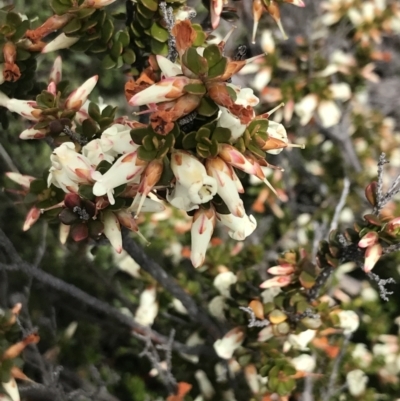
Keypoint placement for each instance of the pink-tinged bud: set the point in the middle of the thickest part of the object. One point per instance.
(278, 281)
(62, 41)
(25, 108)
(370, 193)
(368, 239)
(23, 180)
(64, 232)
(112, 229)
(52, 88)
(165, 90)
(281, 270)
(372, 255)
(229, 343)
(393, 226)
(79, 96)
(127, 220)
(216, 7)
(201, 232)
(56, 71)
(273, 10)
(33, 133)
(125, 170)
(226, 186)
(31, 218)
(149, 179)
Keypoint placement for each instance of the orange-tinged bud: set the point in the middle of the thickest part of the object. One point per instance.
(273, 10)
(258, 309)
(257, 13)
(11, 71)
(52, 24)
(31, 218)
(13, 351)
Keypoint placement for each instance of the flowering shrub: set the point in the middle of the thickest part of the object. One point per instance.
(198, 147)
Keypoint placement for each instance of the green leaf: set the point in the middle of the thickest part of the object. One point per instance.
(201, 36)
(116, 50)
(157, 47)
(13, 19)
(81, 46)
(109, 111)
(146, 155)
(108, 62)
(137, 134)
(195, 89)
(147, 13)
(23, 54)
(218, 69)
(86, 191)
(202, 133)
(231, 93)
(85, 12)
(147, 143)
(73, 26)
(38, 186)
(123, 38)
(89, 128)
(221, 134)
(257, 126)
(20, 31)
(45, 100)
(107, 31)
(207, 107)
(158, 32)
(94, 111)
(152, 5)
(214, 148)
(192, 60)
(106, 122)
(129, 56)
(167, 173)
(189, 140)
(213, 55)
(103, 166)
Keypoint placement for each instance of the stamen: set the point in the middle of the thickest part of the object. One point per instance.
(275, 109)
(295, 145)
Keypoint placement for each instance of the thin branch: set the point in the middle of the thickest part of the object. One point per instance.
(341, 204)
(7, 160)
(195, 312)
(18, 264)
(320, 282)
(253, 321)
(168, 14)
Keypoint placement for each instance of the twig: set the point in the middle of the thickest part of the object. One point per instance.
(195, 312)
(341, 204)
(253, 322)
(17, 264)
(7, 160)
(74, 136)
(169, 19)
(320, 282)
(383, 292)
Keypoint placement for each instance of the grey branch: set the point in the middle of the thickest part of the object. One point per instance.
(253, 322)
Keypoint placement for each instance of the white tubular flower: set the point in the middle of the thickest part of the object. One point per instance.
(69, 168)
(165, 90)
(79, 96)
(117, 140)
(56, 71)
(357, 382)
(206, 388)
(228, 120)
(239, 227)
(223, 281)
(226, 186)
(11, 389)
(305, 108)
(192, 174)
(277, 131)
(277, 281)
(201, 232)
(94, 152)
(148, 307)
(329, 113)
(62, 41)
(227, 345)
(179, 198)
(217, 306)
(126, 169)
(265, 334)
(304, 363)
(348, 321)
(244, 96)
(112, 229)
(167, 67)
(301, 340)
